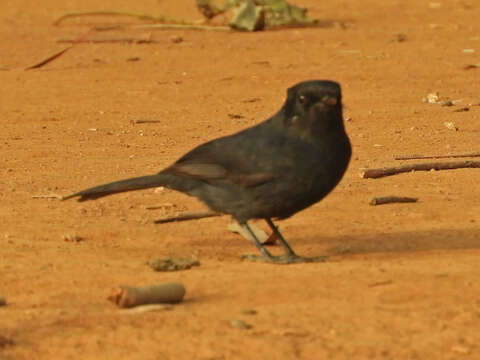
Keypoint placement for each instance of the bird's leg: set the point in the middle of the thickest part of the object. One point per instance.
(290, 257)
(288, 250)
(266, 256)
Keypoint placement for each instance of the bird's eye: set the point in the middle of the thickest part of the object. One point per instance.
(302, 99)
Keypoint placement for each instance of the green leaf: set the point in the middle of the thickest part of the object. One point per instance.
(248, 17)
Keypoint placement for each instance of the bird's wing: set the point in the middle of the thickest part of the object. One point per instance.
(216, 173)
(199, 170)
(220, 164)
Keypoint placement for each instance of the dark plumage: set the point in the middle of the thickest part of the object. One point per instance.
(271, 170)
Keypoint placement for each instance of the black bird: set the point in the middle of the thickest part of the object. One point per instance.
(271, 170)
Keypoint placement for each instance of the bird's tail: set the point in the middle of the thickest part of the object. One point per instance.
(137, 183)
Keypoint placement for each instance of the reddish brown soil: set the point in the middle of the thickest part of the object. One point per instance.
(402, 281)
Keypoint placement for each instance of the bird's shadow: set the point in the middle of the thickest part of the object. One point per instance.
(404, 242)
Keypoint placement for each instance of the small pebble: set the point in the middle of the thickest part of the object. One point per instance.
(460, 349)
(235, 116)
(173, 264)
(176, 39)
(5, 341)
(240, 324)
(400, 37)
(431, 98)
(447, 102)
(450, 125)
(471, 66)
(159, 190)
(72, 238)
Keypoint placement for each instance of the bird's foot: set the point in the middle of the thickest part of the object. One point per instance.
(285, 259)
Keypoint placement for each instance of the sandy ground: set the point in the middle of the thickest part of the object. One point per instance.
(402, 279)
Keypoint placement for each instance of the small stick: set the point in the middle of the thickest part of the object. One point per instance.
(5, 341)
(447, 156)
(379, 200)
(261, 235)
(382, 172)
(58, 54)
(272, 239)
(146, 121)
(161, 206)
(127, 296)
(50, 58)
(195, 215)
(471, 66)
(101, 40)
(182, 26)
(148, 308)
(188, 215)
(50, 196)
(160, 18)
(381, 283)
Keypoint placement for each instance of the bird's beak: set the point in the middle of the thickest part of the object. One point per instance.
(329, 100)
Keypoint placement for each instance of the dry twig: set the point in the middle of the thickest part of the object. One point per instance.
(146, 121)
(188, 215)
(49, 59)
(49, 196)
(127, 296)
(195, 215)
(447, 156)
(380, 200)
(381, 283)
(261, 235)
(160, 18)
(58, 54)
(100, 40)
(183, 26)
(382, 172)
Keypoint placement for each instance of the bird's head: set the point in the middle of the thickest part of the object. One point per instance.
(314, 107)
